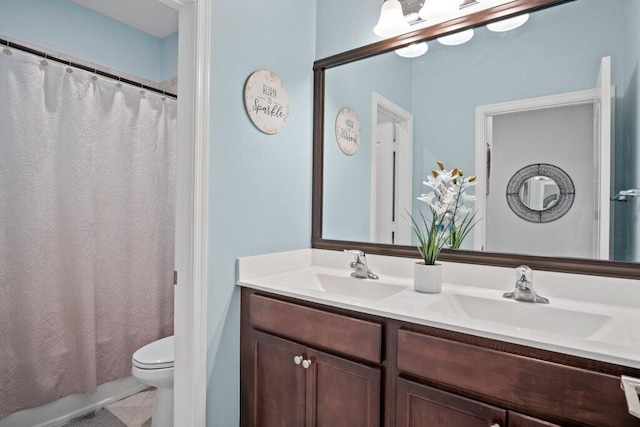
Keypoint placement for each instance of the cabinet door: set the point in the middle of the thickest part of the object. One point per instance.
(519, 420)
(418, 405)
(278, 383)
(341, 392)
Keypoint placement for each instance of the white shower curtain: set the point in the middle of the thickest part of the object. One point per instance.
(87, 190)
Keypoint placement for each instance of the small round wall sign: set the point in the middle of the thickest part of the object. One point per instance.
(266, 101)
(348, 131)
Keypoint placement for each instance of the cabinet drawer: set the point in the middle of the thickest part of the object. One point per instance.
(317, 328)
(419, 405)
(555, 390)
(519, 420)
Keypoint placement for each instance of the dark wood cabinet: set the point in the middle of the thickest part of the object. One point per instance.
(358, 339)
(355, 369)
(279, 384)
(285, 383)
(419, 405)
(341, 392)
(540, 386)
(295, 386)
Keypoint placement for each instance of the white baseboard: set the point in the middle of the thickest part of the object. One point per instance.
(63, 410)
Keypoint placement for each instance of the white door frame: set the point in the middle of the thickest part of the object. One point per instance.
(405, 164)
(483, 113)
(606, 93)
(190, 375)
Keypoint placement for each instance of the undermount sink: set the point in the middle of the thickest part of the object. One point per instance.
(350, 286)
(522, 315)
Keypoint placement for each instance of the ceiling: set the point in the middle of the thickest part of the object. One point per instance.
(149, 16)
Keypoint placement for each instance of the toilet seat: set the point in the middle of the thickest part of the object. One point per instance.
(156, 355)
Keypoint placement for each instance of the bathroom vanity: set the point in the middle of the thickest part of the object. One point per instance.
(321, 348)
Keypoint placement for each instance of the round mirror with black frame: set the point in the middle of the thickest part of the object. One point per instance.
(550, 206)
(540, 193)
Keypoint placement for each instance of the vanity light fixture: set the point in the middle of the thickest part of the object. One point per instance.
(457, 38)
(437, 10)
(413, 50)
(392, 21)
(508, 24)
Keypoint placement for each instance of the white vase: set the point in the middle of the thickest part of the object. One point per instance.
(427, 278)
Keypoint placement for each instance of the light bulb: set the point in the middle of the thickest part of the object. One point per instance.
(508, 24)
(391, 22)
(413, 50)
(457, 38)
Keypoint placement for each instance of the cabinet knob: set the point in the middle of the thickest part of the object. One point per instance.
(298, 360)
(306, 363)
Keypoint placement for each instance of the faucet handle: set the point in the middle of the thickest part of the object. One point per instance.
(356, 252)
(524, 275)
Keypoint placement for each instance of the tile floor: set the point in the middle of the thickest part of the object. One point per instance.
(134, 411)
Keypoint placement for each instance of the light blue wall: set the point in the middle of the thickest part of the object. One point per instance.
(345, 25)
(259, 185)
(347, 184)
(66, 27)
(169, 57)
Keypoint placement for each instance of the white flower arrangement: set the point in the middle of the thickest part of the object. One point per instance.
(452, 218)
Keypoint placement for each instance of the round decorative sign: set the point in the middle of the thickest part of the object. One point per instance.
(267, 101)
(348, 131)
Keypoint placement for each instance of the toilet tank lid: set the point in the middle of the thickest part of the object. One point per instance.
(157, 352)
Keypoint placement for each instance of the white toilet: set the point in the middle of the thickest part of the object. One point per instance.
(153, 365)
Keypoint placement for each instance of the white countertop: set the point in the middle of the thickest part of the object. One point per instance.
(616, 339)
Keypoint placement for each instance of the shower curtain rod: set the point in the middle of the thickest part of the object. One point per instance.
(45, 55)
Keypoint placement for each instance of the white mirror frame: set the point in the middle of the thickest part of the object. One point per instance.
(190, 375)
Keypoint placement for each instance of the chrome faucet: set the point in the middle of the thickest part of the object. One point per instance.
(359, 265)
(524, 287)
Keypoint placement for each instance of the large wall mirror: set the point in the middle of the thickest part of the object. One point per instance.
(560, 91)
